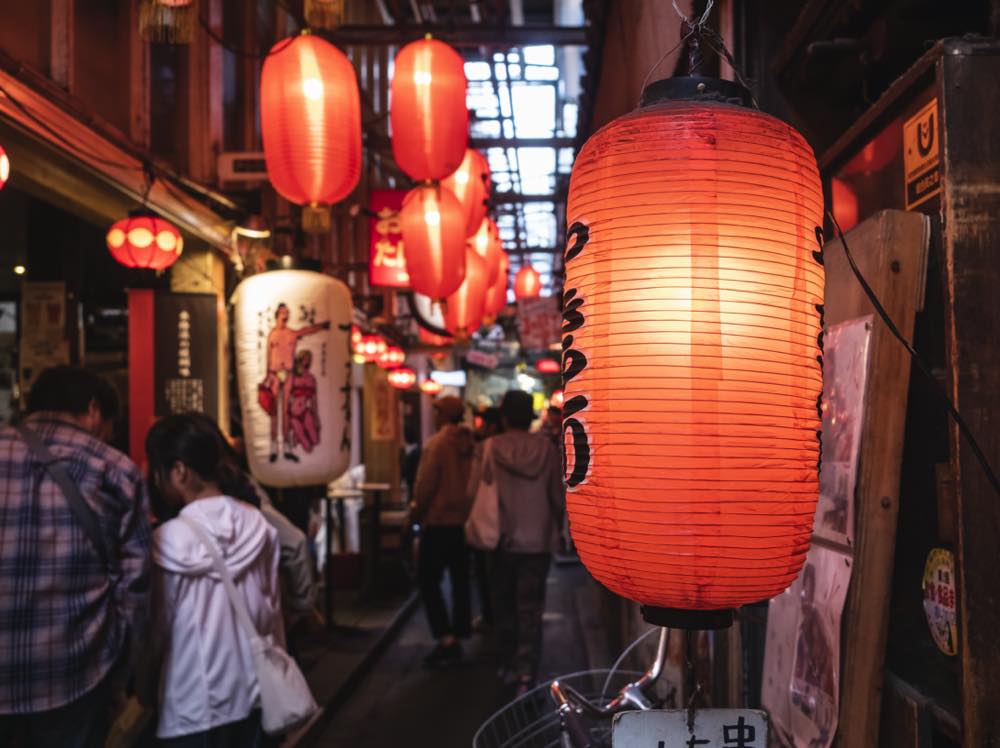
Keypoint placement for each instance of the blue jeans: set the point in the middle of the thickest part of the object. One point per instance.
(83, 723)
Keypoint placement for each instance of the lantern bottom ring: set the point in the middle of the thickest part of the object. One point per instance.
(695, 620)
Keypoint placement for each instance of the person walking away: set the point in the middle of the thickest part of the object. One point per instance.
(208, 689)
(440, 504)
(529, 485)
(488, 425)
(74, 564)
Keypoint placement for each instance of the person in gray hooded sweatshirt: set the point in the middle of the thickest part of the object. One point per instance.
(528, 471)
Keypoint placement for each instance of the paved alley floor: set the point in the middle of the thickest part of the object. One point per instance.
(400, 703)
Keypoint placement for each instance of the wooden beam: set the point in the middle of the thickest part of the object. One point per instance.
(204, 91)
(522, 142)
(61, 43)
(460, 35)
(139, 76)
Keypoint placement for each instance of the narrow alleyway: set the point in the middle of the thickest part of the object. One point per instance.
(401, 703)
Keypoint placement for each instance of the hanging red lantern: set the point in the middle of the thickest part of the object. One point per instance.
(433, 228)
(402, 378)
(372, 346)
(691, 353)
(144, 240)
(430, 387)
(310, 119)
(496, 294)
(428, 338)
(464, 309)
(527, 283)
(391, 357)
(430, 122)
(486, 242)
(470, 183)
(4, 167)
(547, 366)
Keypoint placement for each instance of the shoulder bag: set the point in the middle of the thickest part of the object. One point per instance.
(482, 528)
(285, 699)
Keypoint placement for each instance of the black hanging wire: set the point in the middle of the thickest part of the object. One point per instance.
(963, 427)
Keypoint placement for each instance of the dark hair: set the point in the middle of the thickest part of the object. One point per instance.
(491, 417)
(517, 409)
(195, 440)
(71, 389)
(278, 309)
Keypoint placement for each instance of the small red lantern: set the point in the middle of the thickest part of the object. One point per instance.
(430, 387)
(430, 122)
(4, 167)
(547, 366)
(428, 338)
(556, 401)
(464, 310)
(402, 378)
(527, 283)
(372, 346)
(310, 119)
(486, 242)
(470, 183)
(391, 357)
(433, 228)
(496, 294)
(144, 240)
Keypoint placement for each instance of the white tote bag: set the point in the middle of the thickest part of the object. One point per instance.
(482, 528)
(285, 699)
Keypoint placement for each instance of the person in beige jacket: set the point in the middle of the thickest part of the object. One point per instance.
(441, 506)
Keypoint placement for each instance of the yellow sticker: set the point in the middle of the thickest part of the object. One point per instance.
(921, 155)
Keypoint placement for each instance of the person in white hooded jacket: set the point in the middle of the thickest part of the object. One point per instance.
(208, 690)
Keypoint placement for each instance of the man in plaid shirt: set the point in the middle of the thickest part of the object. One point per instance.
(65, 616)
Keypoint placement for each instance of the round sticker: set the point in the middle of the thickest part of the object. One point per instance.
(940, 599)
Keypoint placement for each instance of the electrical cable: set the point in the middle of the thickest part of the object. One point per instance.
(614, 668)
(963, 427)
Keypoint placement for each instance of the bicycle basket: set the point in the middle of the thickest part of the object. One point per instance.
(532, 721)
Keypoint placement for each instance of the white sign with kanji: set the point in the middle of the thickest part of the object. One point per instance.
(701, 728)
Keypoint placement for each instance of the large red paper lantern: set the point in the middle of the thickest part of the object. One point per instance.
(464, 310)
(310, 117)
(486, 242)
(391, 357)
(4, 167)
(144, 240)
(692, 354)
(527, 283)
(402, 378)
(430, 122)
(496, 295)
(433, 227)
(470, 183)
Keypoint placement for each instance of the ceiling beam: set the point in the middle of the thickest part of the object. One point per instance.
(515, 198)
(459, 35)
(522, 142)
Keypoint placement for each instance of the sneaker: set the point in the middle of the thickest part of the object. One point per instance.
(444, 655)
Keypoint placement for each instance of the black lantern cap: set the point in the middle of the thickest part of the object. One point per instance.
(696, 88)
(695, 620)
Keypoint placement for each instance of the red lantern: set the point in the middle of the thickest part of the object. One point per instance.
(372, 346)
(402, 378)
(310, 118)
(430, 123)
(470, 183)
(4, 167)
(144, 240)
(391, 357)
(464, 309)
(428, 338)
(547, 366)
(433, 229)
(527, 283)
(486, 242)
(430, 387)
(496, 295)
(691, 358)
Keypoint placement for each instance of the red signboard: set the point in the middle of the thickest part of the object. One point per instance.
(386, 259)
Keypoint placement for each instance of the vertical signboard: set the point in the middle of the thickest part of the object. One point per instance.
(386, 256)
(186, 364)
(44, 341)
(921, 155)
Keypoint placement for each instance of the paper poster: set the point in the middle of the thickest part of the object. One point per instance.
(44, 339)
(921, 155)
(940, 600)
(845, 376)
(540, 322)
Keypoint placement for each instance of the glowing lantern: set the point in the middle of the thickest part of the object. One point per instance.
(433, 229)
(4, 167)
(391, 357)
(310, 118)
(428, 338)
(557, 399)
(470, 183)
(496, 294)
(430, 122)
(144, 240)
(691, 354)
(547, 366)
(527, 283)
(402, 378)
(486, 242)
(463, 313)
(430, 387)
(357, 345)
(372, 346)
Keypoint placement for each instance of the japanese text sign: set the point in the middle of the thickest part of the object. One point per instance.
(386, 257)
(703, 728)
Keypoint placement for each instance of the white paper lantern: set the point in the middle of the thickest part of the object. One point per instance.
(293, 330)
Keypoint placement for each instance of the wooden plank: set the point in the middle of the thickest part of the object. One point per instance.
(891, 251)
(139, 72)
(61, 43)
(971, 207)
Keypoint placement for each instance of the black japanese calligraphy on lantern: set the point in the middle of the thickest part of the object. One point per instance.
(574, 362)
